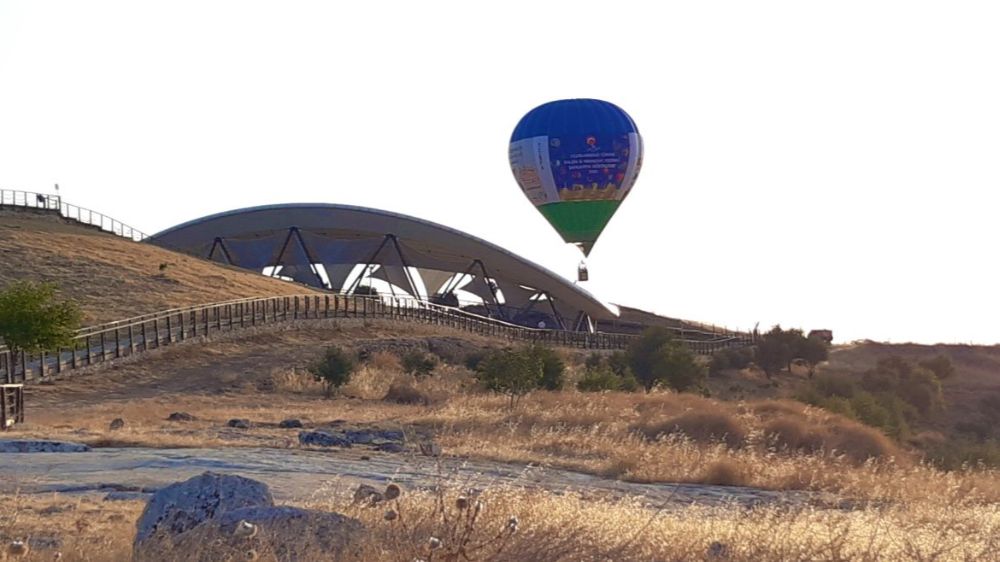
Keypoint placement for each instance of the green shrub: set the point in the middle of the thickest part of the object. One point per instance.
(731, 358)
(553, 367)
(599, 380)
(334, 369)
(510, 372)
(32, 319)
(419, 364)
(656, 358)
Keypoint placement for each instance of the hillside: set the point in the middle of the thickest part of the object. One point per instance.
(114, 278)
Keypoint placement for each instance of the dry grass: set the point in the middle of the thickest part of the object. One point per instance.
(113, 278)
(551, 527)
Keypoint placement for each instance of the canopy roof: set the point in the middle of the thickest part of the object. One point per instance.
(419, 257)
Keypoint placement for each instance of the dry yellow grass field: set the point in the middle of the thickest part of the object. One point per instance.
(550, 527)
(263, 378)
(113, 278)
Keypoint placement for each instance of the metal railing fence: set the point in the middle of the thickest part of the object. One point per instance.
(125, 338)
(54, 203)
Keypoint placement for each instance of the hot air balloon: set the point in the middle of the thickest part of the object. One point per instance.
(576, 160)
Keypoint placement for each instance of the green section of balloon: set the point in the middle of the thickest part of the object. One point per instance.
(576, 160)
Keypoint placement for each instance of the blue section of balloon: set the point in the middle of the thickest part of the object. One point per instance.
(577, 117)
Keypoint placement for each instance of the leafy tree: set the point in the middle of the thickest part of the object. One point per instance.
(32, 319)
(510, 372)
(730, 358)
(656, 358)
(334, 369)
(778, 348)
(618, 362)
(642, 355)
(419, 364)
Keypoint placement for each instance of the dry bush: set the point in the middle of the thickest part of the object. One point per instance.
(860, 443)
(725, 472)
(403, 392)
(703, 426)
(385, 361)
(795, 434)
(294, 381)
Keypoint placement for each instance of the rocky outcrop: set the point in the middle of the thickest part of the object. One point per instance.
(116, 424)
(183, 506)
(40, 446)
(240, 423)
(223, 517)
(181, 417)
(291, 423)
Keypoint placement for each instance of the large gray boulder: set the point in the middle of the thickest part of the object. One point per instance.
(182, 506)
(284, 534)
(40, 446)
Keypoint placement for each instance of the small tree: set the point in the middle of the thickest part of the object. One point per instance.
(553, 367)
(32, 319)
(334, 369)
(656, 358)
(676, 366)
(642, 355)
(419, 364)
(510, 372)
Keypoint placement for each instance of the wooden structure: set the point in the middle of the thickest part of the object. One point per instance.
(11, 405)
(115, 340)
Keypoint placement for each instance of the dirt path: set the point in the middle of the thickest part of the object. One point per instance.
(300, 475)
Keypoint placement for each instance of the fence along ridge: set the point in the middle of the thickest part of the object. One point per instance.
(125, 338)
(82, 215)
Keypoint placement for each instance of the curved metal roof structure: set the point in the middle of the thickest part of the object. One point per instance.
(342, 248)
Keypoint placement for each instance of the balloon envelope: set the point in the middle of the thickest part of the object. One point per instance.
(576, 160)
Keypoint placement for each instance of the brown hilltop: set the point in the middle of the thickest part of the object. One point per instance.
(114, 278)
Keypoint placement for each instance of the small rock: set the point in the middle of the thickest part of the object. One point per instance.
(367, 495)
(116, 424)
(430, 449)
(390, 448)
(359, 437)
(181, 417)
(240, 423)
(717, 550)
(290, 424)
(323, 439)
(39, 446)
(17, 549)
(395, 435)
(365, 458)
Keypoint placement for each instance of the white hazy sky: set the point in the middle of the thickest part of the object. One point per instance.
(822, 165)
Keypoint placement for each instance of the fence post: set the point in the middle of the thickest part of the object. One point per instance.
(145, 342)
(204, 312)
(41, 364)
(58, 360)
(170, 335)
(118, 345)
(73, 360)
(104, 351)
(131, 339)
(88, 351)
(156, 332)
